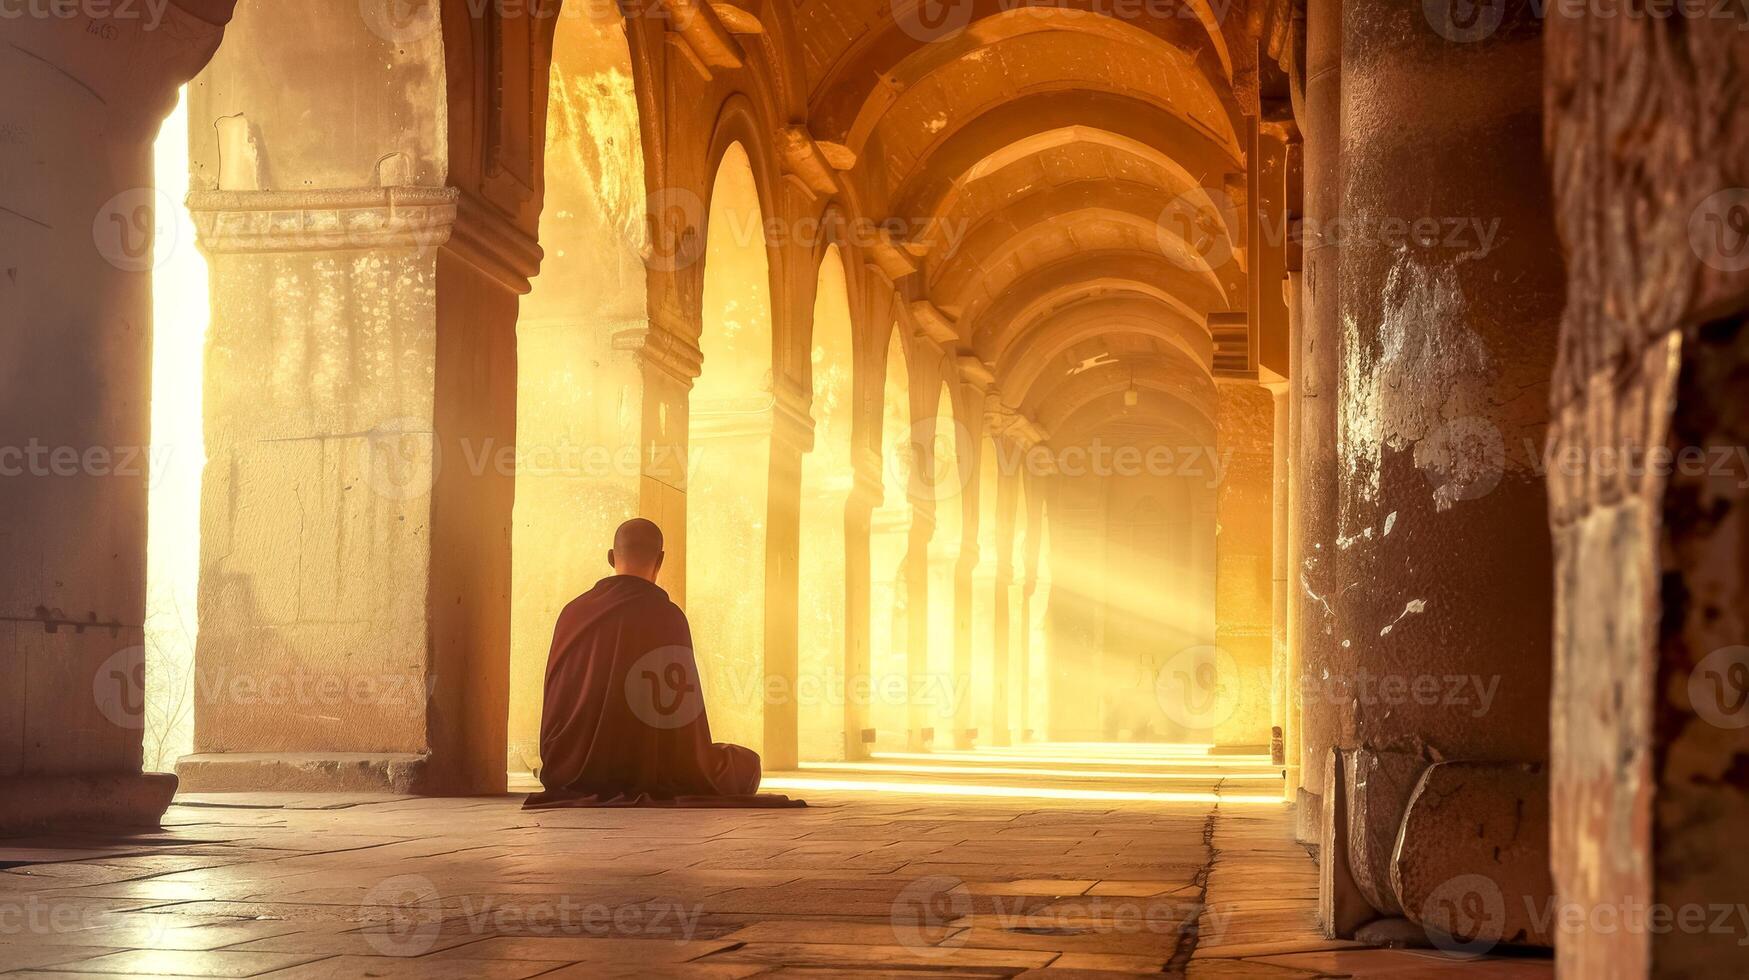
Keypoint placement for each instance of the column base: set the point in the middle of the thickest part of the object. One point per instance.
(55, 803)
(1308, 817)
(402, 774)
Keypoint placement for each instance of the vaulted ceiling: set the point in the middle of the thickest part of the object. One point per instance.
(1062, 171)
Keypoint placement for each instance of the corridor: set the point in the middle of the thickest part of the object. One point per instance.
(998, 864)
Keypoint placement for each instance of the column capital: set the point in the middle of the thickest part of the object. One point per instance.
(252, 222)
(664, 350)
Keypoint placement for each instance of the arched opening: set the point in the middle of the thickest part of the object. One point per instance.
(828, 476)
(944, 687)
(889, 543)
(729, 436)
(577, 462)
(989, 678)
(180, 313)
(1040, 597)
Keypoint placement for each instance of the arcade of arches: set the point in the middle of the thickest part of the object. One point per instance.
(1335, 395)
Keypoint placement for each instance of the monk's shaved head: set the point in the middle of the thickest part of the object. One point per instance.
(637, 549)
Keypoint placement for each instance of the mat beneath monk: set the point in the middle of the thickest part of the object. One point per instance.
(579, 801)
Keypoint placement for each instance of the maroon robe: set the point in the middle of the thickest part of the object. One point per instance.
(623, 722)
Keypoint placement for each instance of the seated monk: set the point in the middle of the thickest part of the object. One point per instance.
(623, 722)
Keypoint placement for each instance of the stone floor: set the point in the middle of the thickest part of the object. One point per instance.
(1029, 862)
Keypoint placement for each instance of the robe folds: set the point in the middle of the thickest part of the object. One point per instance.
(623, 722)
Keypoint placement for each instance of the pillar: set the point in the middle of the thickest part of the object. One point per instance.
(1317, 359)
(76, 243)
(792, 437)
(360, 417)
(859, 583)
(1450, 291)
(1007, 620)
(1244, 518)
(1280, 669)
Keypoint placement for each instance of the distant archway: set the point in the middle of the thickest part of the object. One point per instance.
(828, 476)
(730, 442)
(943, 686)
(577, 461)
(889, 542)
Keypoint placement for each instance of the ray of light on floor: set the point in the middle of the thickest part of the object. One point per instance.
(805, 784)
(1212, 762)
(1206, 775)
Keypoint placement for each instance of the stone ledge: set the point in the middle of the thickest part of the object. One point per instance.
(406, 774)
(118, 799)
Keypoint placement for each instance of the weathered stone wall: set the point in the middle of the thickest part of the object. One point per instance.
(1648, 140)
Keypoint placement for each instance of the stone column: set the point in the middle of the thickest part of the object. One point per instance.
(917, 612)
(859, 607)
(1244, 516)
(1451, 288)
(1280, 686)
(1317, 360)
(1006, 606)
(791, 439)
(78, 218)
